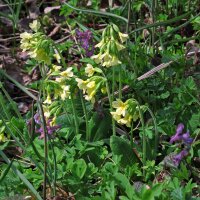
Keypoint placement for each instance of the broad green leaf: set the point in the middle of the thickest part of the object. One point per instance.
(120, 146)
(79, 168)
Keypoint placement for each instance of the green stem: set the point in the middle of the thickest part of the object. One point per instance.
(131, 135)
(120, 82)
(129, 16)
(45, 148)
(106, 14)
(112, 98)
(144, 139)
(75, 115)
(110, 102)
(86, 116)
(55, 167)
(156, 132)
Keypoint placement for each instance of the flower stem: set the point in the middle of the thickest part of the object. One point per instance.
(120, 83)
(144, 142)
(45, 148)
(86, 117)
(112, 98)
(110, 102)
(75, 115)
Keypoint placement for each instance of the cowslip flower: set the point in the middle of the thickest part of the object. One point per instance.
(67, 73)
(48, 100)
(89, 70)
(123, 37)
(120, 106)
(65, 92)
(57, 56)
(35, 25)
(82, 84)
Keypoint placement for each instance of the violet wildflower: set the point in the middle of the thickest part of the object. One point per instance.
(178, 135)
(177, 158)
(86, 40)
(50, 128)
(186, 138)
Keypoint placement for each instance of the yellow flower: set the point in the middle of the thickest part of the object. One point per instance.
(2, 137)
(35, 26)
(56, 68)
(97, 58)
(53, 122)
(60, 80)
(120, 107)
(126, 120)
(100, 44)
(25, 41)
(91, 84)
(46, 111)
(48, 100)
(26, 36)
(57, 57)
(115, 116)
(66, 92)
(82, 84)
(67, 73)
(89, 70)
(123, 37)
(119, 46)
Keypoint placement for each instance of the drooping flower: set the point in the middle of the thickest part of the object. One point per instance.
(67, 73)
(35, 25)
(120, 106)
(89, 70)
(86, 40)
(57, 56)
(82, 84)
(180, 136)
(177, 158)
(123, 36)
(65, 92)
(48, 100)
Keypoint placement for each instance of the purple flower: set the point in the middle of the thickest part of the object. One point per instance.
(177, 158)
(86, 40)
(186, 138)
(180, 136)
(37, 118)
(50, 128)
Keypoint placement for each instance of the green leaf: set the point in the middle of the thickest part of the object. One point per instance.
(79, 168)
(121, 147)
(21, 176)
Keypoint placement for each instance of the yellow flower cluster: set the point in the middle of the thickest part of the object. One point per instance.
(62, 90)
(126, 112)
(110, 46)
(32, 43)
(88, 87)
(121, 115)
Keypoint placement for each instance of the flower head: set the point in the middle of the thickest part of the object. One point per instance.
(177, 158)
(35, 26)
(67, 73)
(180, 136)
(89, 70)
(86, 40)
